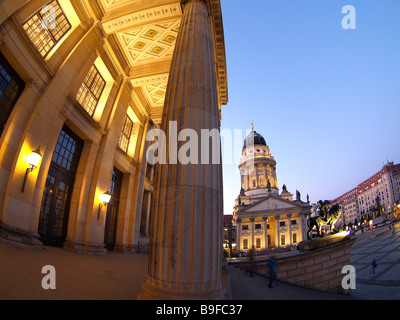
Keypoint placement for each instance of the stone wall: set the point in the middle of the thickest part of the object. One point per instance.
(319, 268)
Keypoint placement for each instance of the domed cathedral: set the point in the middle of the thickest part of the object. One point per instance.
(265, 218)
(259, 178)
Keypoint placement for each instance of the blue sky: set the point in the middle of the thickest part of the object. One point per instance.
(326, 99)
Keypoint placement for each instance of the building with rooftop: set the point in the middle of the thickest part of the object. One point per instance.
(264, 217)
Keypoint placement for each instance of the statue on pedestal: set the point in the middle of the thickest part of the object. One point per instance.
(325, 218)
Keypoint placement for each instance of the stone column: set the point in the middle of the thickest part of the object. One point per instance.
(185, 249)
(278, 243)
(290, 229)
(265, 232)
(238, 231)
(252, 233)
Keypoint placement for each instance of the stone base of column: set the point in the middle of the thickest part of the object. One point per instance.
(75, 247)
(152, 292)
(19, 238)
(124, 248)
(96, 250)
(82, 248)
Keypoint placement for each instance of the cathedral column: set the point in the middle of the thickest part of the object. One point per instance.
(238, 231)
(185, 249)
(252, 233)
(265, 232)
(278, 243)
(290, 229)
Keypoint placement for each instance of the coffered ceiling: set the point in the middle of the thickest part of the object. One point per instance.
(146, 33)
(147, 38)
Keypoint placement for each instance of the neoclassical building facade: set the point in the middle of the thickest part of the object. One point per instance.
(81, 85)
(264, 218)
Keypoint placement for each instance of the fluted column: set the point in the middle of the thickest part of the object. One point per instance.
(238, 239)
(290, 229)
(185, 248)
(278, 228)
(265, 232)
(252, 233)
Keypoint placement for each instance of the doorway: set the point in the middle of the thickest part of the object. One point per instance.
(54, 211)
(110, 231)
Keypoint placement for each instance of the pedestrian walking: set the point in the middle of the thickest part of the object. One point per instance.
(374, 265)
(253, 264)
(273, 266)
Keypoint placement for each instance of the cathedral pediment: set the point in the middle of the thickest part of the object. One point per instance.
(271, 203)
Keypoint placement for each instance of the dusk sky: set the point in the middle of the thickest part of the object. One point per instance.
(326, 99)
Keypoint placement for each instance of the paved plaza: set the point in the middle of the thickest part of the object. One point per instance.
(383, 245)
(120, 276)
(114, 276)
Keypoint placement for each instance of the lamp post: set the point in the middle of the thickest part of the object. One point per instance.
(32, 160)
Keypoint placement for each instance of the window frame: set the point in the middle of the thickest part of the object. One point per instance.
(89, 90)
(40, 18)
(20, 86)
(125, 135)
(245, 244)
(283, 240)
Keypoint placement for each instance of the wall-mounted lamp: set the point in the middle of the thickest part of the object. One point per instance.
(104, 200)
(32, 160)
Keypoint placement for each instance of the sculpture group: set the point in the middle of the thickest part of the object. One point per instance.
(326, 218)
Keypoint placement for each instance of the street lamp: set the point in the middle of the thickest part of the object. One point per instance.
(32, 160)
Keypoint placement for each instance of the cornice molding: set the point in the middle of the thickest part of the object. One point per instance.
(142, 17)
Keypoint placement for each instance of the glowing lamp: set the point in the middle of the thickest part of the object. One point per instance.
(33, 161)
(105, 198)
(104, 201)
(34, 158)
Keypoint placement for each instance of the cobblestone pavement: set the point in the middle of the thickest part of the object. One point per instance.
(383, 245)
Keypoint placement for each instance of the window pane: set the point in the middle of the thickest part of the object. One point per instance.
(90, 92)
(46, 27)
(11, 87)
(126, 134)
(46, 202)
(65, 152)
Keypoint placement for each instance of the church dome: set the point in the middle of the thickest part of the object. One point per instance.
(254, 139)
(258, 167)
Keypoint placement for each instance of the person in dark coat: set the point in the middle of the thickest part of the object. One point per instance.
(273, 268)
(253, 263)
